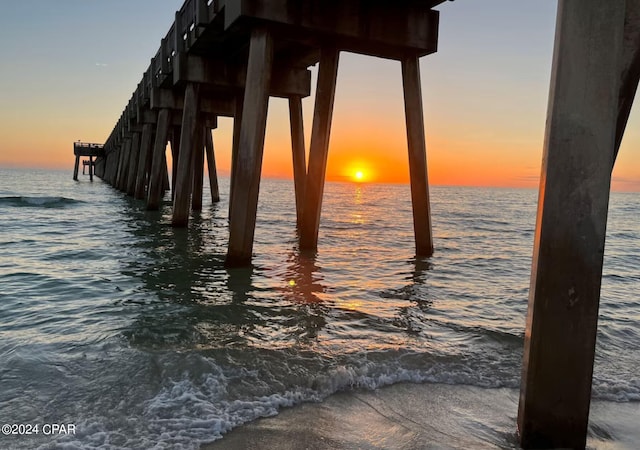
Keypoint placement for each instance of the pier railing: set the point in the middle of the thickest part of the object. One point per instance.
(192, 18)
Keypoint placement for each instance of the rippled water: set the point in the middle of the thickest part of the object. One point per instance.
(134, 331)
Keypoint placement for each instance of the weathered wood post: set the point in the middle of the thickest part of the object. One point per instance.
(154, 191)
(298, 151)
(570, 231)
(246, 179)
(319, 148)
(189, 135)
(417, 156)
(211, 167)
(90, 168)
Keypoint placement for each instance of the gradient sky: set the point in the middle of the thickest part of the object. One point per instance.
(70, 66)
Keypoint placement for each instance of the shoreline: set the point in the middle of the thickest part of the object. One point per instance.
(417, 416)
(401, 416)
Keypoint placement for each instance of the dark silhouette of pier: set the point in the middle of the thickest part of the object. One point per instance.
(227, 57)
(85, 149)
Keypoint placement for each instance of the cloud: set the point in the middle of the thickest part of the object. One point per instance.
(101, 65)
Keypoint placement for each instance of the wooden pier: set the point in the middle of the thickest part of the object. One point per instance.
(227, 57)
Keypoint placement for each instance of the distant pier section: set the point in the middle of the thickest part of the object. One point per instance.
(85, 149)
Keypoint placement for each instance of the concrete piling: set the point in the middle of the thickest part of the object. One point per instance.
(191, 128)
(134, 158)
(211, 167)
(298, 153)
(154, 192)
(198, 171)
(417, 156)
(76, 167)
(571, 223)
(143, 162)
(319, 148)
(237, 120)
(246, 179)
(175, 152)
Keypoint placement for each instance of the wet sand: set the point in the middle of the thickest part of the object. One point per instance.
(410, 416)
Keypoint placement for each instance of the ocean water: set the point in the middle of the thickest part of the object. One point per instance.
(135, 333)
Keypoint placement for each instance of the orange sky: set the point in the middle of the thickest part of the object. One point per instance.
(484, 93)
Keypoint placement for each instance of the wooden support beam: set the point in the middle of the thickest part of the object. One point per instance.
(76, 167)
(143, 162)
(246, 180)
(198, 171)
(133, 164)
(319, 148)
(299, 153)
(154, 194)
(90, 168)
(566, 273)
(211, 167)
(417, 156)
(190, 129)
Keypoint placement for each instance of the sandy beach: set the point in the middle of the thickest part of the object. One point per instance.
(410, 416)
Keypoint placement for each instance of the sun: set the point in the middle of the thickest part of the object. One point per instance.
(358, 175)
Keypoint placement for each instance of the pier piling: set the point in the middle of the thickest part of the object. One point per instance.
(76, 168)
(237, 120)
(175, 154)
(246, 179)
(154, 192)
(198, 171)
(570, 231)
(298, 153)
(191, 129)
(211, 167)
(134, 158)
(417, 156)
(143, 161)
(319, 148)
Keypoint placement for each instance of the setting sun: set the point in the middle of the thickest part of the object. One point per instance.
(359, 175)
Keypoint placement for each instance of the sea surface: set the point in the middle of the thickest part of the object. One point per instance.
(136, 334)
